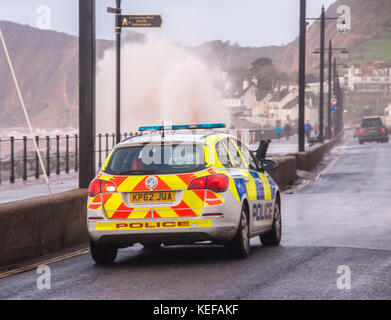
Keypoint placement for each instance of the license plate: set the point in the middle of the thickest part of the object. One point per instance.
(372, 131)
(157, 196)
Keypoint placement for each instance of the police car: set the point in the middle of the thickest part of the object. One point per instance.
(185, 185)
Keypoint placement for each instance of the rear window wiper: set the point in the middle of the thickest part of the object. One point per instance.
(132, 172)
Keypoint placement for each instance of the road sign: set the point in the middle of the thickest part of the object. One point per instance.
(333, 109)
(140, 21)
(333, 101)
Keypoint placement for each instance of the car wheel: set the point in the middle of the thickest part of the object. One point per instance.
(239, 246)
(151, 246)
(273, 236)
(103, 252)
(360, 141)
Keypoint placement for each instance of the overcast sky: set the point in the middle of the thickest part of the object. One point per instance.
(190, 22)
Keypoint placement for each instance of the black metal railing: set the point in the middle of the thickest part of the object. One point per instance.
(19, 160)
(59, 154)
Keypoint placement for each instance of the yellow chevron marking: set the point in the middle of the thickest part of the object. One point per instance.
(107, 160)
(105, 177)
(174, 182)
(201, 173)
(130, 183)
(166, 212)
(112, 204)
(192, 200)
(139, 213)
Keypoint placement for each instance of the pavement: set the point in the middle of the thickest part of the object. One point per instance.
(281, 147)
(335, 226)
(21, 190)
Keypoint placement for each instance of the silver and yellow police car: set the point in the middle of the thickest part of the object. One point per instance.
(185, 185)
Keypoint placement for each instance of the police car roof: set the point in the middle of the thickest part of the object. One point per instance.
(175, 136)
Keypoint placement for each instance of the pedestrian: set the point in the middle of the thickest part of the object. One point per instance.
(308, 129)
(278, 131)
(316, 129)
(287, 130)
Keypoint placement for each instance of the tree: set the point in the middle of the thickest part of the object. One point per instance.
(261, 62)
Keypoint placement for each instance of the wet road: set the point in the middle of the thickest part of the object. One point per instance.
(343, 218)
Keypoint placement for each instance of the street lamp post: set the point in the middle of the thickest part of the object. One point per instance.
(329, 92)
(118, 71)
(321, 76)
(86, 92)
(335, 93)
(302, 41)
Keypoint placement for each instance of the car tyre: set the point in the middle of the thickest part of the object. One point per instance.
(360, 141)
(239, 246)
(273, 236)
(103, 253)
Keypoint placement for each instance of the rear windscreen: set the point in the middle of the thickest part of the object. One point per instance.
(156, 159)
(375, 122)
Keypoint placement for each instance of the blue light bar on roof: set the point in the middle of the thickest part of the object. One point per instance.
(184, 127)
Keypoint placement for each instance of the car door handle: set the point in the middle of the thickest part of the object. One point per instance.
(246, 179)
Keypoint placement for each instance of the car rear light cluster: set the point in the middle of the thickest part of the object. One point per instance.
(361, 131)
(101, 186)
(383, 130)
(216, 182)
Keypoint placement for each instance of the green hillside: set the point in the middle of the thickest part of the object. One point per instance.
(378, 49)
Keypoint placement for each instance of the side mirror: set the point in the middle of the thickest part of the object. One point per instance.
(268, 165)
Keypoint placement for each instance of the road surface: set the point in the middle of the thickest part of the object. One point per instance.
(341, 219)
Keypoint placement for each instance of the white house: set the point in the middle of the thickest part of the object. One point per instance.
(371, 77)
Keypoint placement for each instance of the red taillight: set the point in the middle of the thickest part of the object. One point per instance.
(101, 186)
(198, 183)
(216, 182)
(361, 131)
(383, 130)
(94, 188)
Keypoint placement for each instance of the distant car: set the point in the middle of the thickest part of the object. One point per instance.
(182, 187)
(372, 129)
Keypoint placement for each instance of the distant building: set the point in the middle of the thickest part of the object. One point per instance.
(260, 109)
(241, 101)
(387, 116)
(370, 77)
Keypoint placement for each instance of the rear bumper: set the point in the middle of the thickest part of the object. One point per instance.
(375, 137)
(178, 231)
